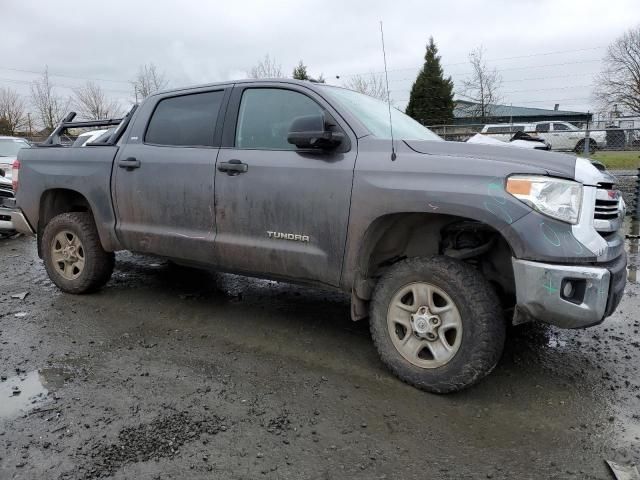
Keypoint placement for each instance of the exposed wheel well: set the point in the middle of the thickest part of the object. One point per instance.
(56, 201)
(398, 236)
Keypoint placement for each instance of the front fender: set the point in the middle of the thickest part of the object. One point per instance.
(463, 187)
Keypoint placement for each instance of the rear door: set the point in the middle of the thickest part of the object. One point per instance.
(164, 176)
(286, 215)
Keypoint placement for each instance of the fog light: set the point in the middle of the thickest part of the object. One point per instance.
(567, 291)
(573, 290)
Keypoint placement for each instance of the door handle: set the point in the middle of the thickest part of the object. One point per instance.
(129, 163)
(233, 167)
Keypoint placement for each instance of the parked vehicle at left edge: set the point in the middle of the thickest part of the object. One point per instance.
(9, 147)
(6, 192)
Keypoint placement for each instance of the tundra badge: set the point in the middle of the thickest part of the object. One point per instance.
(289, 236)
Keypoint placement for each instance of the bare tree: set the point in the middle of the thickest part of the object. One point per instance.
(482, 88)
(619, 81)
(51, 108)
(148, 81)
(266, 68)
(372, 85)
(93, 104)
(12, 110)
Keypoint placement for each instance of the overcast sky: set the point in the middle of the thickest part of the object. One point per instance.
(205, 41)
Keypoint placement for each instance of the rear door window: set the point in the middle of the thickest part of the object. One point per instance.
(186, 120)
(542, 127)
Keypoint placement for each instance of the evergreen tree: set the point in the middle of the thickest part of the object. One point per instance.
(300, 72)
(431, 100)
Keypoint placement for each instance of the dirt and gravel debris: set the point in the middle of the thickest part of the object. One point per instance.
(275, 381)
(161, 438)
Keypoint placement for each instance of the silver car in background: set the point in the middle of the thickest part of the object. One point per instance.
(9, 147)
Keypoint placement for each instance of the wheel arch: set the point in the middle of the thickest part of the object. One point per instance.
(395, 236)
(56, 201)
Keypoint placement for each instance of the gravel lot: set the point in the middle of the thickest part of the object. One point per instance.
(170, 373)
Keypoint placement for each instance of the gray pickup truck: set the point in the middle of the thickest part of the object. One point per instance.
(440, 244)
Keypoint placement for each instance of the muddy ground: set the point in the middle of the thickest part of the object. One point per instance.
(178, 374)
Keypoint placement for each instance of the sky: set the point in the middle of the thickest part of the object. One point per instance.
(546, 51)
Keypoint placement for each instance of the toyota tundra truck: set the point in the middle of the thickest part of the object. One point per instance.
(440, 245)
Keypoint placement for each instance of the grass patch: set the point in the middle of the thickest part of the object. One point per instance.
(618, 160)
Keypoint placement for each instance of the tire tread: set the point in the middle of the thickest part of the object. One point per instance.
(99, 263)
(490, 331)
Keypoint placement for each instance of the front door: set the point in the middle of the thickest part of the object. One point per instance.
(281, 212)
(164, 178)
(563, 137)
(543, 131)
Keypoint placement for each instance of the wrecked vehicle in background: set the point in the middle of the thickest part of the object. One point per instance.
(519, 140)
(9, 148)
(6, 195)
(303, 182)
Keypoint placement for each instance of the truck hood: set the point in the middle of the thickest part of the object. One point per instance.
(559, 164)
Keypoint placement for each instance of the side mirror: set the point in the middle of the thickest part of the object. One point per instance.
(310, 132)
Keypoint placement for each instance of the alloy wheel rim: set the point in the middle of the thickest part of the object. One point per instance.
(424, 324)
(67, 254)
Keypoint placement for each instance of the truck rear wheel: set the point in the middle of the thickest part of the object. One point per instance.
(593, 146)
(437, 323)
(73, 255)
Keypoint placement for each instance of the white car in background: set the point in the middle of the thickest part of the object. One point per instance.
(560, 135)
(566, 136)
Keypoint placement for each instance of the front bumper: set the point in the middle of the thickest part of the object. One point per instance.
(568, 296)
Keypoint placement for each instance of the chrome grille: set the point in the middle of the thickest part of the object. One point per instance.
(6, 191)
(609, 210)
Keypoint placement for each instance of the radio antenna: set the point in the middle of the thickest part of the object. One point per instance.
(386, 77)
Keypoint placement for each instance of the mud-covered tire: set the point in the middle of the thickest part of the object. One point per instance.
(98, 263)
(483, 327)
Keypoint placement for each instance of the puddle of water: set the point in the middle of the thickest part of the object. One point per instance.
(26, 391)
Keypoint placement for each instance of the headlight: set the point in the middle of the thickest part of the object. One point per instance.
(557, 198)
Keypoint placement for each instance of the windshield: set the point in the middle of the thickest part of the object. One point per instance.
(9, 146)
(374, 114)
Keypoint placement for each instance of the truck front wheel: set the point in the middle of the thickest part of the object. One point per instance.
(73, 255)
(437, 323)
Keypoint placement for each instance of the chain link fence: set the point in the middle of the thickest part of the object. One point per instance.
(560, 136)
